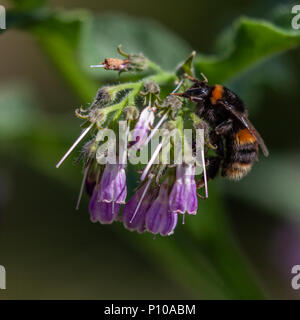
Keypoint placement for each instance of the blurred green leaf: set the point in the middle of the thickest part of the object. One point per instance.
(59, 36)
(25, 5)
(248, 42)
(18, 112)
(273, 184)
(281, 15)
(277, 73)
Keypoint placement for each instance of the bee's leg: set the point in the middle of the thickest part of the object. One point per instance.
(224, 127)
(220, 147)
(215, 142)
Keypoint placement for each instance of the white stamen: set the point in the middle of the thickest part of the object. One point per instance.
(155, 154)
(85, 131)
(183, 216)
(97, 66)
(81, 187)
(142, 198)
(113, 208)
(204, 173)
(178, 86)
(156, 128)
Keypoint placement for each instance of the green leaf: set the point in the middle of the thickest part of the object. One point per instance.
(26, 5)
(249, 41)
(277, 73)
(187, 67)
(59, 35)
(101, 36)
(18, 112)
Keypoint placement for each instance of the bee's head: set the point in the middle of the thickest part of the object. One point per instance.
(199, 91)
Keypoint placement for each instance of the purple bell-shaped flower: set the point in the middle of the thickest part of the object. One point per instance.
(183, 197)
(103, 212)
(143, 127)
(158, 218)
(113, 184)
(135, 210)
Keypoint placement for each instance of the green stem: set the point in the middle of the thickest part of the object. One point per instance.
(163, 78)
(154, 66)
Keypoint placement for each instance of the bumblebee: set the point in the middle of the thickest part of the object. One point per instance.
(236, 140)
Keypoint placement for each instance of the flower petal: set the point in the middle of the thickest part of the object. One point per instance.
(138, 222)
(158, 209)
(103, 212)
(168, 223)
(113, 184)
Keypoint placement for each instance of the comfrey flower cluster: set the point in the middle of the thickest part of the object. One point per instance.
(167, 188)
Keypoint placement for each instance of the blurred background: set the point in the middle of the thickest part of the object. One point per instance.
(246, 236)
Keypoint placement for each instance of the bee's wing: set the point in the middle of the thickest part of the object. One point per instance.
(246, 122)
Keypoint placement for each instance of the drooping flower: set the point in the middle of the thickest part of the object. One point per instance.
(134, 212)
(183, 197)
(103, 212)
(159, 219)
(168, 223)
(143, 127)
(113, 184)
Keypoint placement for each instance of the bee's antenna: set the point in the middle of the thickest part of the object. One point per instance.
(204, 77)
(193, 79)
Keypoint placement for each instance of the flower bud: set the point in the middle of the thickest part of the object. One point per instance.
(151, 88)
(102, 97)
(172, 103)
(131, 113)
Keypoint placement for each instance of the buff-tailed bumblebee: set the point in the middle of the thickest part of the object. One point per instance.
(235, 138)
